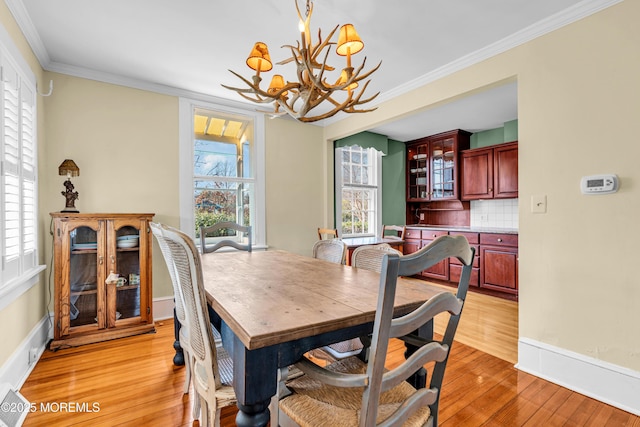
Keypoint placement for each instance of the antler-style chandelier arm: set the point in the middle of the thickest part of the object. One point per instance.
(312, 89)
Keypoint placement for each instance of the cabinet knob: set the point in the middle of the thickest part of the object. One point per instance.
(499, 240)
(100, 259)
(435, 235)
(113, 260)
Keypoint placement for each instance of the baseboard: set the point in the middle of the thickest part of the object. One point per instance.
(603, 381)
(163, 308)
(17, 368)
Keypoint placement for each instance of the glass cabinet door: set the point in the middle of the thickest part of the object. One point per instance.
(127, 247)
(442, 155)
(418, 182)
(83, 277)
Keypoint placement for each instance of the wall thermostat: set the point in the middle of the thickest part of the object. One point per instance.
(599, 184)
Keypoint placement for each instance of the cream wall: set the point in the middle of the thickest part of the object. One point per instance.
(21, 316)
(578, 99)
(125, 142)
(296, 189)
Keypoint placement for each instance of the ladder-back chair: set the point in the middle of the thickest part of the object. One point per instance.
(351, 392)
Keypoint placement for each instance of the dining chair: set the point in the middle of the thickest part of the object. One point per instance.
(211, 367)
(179, 309)
(368, 257)
(222, 228)
(351, 392)
(333, 250)
(394, 231)
(327, 233)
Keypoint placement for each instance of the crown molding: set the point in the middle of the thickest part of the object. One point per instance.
(20, 14)
(567, 16)
(145, 85)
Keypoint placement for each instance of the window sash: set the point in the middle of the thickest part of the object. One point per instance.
(253, 165)
(359, 221)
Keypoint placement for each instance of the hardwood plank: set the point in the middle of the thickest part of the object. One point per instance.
(135, 383)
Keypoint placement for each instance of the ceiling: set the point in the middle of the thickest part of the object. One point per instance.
(190, 45)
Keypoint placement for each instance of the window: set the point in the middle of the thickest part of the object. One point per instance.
(18, 224)
(358, 185)
(222, 164)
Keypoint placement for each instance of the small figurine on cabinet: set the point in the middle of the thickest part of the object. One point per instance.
(71, 197)
(69, 168)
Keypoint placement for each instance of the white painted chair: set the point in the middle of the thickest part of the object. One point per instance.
(224, 227)
(179, 309)
(211, 367)
(332, 250)
(369, 257)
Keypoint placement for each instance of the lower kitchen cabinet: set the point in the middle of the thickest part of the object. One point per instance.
(416, 239)
(455, 266)
(499, 261)
(495, 265)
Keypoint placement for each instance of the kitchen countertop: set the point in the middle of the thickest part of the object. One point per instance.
(465, 229)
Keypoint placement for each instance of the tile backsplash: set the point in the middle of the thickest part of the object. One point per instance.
(497, 213)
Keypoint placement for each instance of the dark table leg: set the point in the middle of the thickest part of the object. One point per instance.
(254, 381)
(178, 359)
(419, 379)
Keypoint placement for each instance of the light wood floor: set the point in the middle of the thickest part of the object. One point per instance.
(489, 324)
(134, 383)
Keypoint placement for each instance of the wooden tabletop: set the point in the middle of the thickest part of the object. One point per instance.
(272, 297)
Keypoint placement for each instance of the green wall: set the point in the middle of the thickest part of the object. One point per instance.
(507, 133)
(393, 184)
(393, 164)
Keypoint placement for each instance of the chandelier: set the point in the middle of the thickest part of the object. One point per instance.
(299, 98)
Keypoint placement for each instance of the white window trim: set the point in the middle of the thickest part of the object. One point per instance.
(185, 130)
(11, 290)
(338, 191)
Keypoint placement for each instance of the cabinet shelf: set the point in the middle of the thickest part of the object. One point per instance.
(126, 287)
(84, 251)
(87, 292)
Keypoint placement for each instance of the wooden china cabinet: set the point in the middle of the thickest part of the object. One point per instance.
(87, 249)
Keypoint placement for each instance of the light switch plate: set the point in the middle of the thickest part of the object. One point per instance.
(539, 204)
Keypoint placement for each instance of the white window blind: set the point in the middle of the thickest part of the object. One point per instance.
(19, 174)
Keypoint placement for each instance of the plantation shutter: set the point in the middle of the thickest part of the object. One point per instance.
(10, 172)
(18, 221)
(27, 137)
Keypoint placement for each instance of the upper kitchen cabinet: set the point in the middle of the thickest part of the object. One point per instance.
(432, 166)
(490, 172)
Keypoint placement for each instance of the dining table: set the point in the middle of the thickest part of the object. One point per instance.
(355, 242)
(273, 306)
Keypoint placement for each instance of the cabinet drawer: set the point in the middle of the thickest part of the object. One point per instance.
(412, 233)
(472, 238)
(496, 239)
(432, 234)
(476, 258)
(455, 271)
